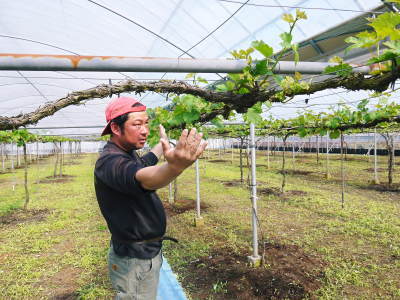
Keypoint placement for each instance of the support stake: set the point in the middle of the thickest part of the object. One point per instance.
(198, 221)
(255, 259)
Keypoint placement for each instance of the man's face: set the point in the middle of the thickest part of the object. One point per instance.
(136, 131)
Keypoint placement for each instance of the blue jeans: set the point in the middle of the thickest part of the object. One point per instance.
(134, 278)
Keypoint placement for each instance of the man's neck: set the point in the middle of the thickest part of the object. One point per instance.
(121, 146)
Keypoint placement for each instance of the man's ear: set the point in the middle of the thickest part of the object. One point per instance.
(115, 129)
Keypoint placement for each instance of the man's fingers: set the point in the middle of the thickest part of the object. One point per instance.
(182, 139)
(201, 147)
(196, 142)
(163, 134)
(192, 135)
(165, 145)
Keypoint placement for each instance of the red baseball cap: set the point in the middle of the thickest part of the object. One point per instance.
(118, 107)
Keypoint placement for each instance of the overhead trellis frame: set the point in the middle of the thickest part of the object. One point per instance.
(238, 102)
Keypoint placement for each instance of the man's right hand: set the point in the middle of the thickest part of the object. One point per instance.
(189, 147)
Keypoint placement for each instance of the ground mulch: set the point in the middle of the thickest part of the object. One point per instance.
(377, 169)
(57, 179)
(19, 216)
(287, 273)
(182, 205)
(383, 187)
(295, 172)
(277, 192)
(218, 161)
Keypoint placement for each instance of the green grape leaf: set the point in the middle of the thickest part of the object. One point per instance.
(234, 77)
(253, 114)
(263, 48)
(362, 40)
(190, 75)
(217, 122)
(334, 134)
(286, 38)
(261, 67)
(202, 80)
(342, 70)
(322, 132)
(243, 91)
(385, 25)
(302, 132)
(190, 116)
(221, 88)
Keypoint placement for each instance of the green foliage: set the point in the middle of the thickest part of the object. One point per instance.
(196, 78)
(23, 136)
(342, 70)
(384, 28)
(257, 75)
(253, 114)
(263, 48)
(187, 109)
(345, 119)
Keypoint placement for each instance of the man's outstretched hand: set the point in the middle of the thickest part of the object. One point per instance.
(188, 148)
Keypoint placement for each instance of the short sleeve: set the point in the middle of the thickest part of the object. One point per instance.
(118, 172)
(150, 159)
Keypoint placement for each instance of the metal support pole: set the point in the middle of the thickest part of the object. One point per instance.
(219, 148)
(327, 155)
(2, 158)
(47, 62)
(293, 159)
(376, 179)
(232, 150)
(268, 152)
(12, 156)
(198, 220)
(342, 165)
(170, 195)
(255, 259)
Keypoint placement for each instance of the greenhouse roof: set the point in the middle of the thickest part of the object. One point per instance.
(176, 28)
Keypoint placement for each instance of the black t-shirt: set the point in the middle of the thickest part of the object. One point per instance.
(131, 212)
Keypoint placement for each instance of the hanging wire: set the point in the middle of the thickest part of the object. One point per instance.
(33, 85)
(37, 42)
(218, 27)
(139, 25)
(208, 35)
(302, 7)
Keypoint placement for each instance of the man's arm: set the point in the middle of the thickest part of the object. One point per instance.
(157, 150)
(189, 147)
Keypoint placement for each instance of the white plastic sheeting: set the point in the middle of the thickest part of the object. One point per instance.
(158, 28)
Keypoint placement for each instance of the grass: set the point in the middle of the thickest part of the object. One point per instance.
(64, 252)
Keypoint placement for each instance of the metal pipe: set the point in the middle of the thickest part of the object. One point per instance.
(253, 192)
(376, 180)
(42, 62)
(327, 155)
(197, 190)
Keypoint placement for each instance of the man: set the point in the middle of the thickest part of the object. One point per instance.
(125, 187)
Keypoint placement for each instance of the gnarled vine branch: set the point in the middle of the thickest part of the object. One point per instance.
(238, 102)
